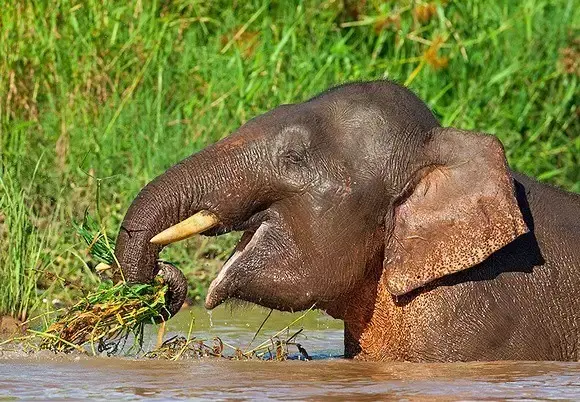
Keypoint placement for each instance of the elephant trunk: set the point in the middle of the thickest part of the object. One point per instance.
(203, 181)
(163, 202)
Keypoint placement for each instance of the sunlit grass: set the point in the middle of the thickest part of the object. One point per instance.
(21, 250)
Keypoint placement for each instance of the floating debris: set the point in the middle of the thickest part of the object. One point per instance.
(273, 348)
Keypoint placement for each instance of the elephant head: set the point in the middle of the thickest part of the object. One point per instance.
(355, 187)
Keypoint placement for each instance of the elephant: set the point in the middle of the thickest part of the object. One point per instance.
(357, 202)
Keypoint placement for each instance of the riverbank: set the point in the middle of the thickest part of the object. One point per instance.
(10, 327)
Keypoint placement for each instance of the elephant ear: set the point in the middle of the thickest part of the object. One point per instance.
(454, 213)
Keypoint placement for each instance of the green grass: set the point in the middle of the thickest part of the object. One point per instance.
(21, 251)
(102, 96)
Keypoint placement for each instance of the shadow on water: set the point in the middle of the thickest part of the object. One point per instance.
(46, 376)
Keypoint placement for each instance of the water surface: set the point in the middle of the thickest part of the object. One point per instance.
(43, 376)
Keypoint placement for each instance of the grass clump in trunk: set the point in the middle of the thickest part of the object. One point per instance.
(106, 318)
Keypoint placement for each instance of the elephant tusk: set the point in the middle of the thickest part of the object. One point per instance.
(200, 222)
(101, 267)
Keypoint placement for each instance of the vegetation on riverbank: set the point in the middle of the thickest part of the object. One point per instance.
(97, 98)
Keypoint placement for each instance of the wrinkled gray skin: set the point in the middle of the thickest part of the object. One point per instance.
(315, 186)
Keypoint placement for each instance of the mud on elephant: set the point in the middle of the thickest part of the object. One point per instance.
(419, 237)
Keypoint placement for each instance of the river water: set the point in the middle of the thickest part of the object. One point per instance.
(326, 377)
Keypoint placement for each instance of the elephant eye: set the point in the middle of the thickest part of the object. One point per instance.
(294, 157)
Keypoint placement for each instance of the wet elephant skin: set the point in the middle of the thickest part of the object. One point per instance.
(357, 202)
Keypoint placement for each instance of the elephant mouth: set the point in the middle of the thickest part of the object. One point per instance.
(236, 267)
(257, 248)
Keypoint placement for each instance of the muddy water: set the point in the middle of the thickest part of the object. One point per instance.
(44, 376)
